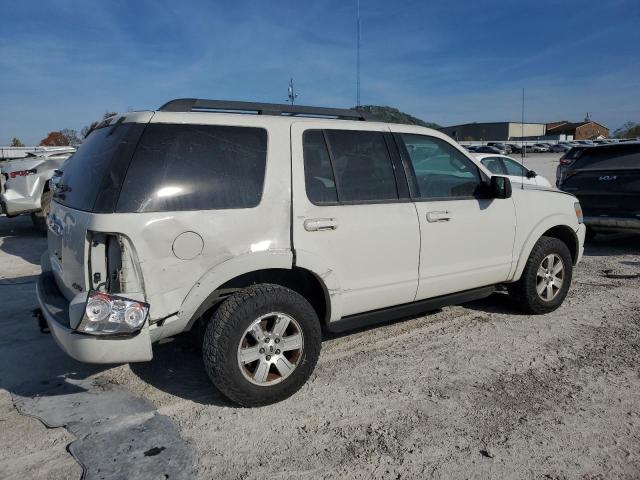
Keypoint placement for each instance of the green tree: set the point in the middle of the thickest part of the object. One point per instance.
(393, 115)
(72, 136)
(15, 142)
(86, 130)
(628, 130)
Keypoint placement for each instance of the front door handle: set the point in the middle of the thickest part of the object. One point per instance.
(443, 216)
(320, 224)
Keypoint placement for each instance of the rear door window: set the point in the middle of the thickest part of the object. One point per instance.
(195, 167)
(494, 165)
(362, 166)
(513, 168)
(318, 172)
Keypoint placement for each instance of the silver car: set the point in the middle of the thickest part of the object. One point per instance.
(24, 184)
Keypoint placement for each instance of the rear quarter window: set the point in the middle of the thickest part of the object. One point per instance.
(195, 167)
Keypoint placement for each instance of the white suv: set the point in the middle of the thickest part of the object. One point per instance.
(261, 229)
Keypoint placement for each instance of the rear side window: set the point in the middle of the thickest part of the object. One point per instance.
(362, 166)
(441, 171)
(513, 167)
(493, 164)
(195, 167)
(354, 166)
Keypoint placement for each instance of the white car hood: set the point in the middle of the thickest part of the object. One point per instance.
(23, 164)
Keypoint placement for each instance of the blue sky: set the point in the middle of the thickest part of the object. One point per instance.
(64, 63)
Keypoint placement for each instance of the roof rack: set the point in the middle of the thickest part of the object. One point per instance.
(225, 106)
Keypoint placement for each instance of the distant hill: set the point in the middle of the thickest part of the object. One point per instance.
(393, 115)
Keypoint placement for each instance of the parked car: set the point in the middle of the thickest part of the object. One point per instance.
(514, 170)
(24, 184)
(567, 159)
(606, 179)
(489, 149)
(538, 148)
(516, 148)
(560, 147)
(503, 147)
(260, 230)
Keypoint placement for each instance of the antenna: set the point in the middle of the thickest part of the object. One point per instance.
(522, 150)
(358, 55)
(291, 92)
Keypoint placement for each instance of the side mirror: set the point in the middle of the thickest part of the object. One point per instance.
(531, 174)
(500, 187)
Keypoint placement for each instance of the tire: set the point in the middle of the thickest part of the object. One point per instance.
(39, 218)
(524, 292)
(227, 335)
(590, 235)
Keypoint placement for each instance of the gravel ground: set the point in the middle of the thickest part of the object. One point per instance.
(473, 391)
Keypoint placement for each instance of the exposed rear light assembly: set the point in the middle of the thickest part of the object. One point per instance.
(22, 173)
(106, 314)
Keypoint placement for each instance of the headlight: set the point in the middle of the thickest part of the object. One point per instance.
(106, 314)
(579, 214)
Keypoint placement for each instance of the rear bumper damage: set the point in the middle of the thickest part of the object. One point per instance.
(61, 315)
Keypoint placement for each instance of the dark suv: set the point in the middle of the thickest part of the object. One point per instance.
(606, 180)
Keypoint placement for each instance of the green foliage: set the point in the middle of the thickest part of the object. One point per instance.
(15, 142)
(393, 115)
(628, 130)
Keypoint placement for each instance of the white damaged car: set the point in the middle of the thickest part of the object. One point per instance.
(258, 225)
(24, 184)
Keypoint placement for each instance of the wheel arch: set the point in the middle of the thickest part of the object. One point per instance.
(551, 227)
(240, 272)
(300, 280)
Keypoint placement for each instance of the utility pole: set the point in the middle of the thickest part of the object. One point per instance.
(292, 92)
(358, 54)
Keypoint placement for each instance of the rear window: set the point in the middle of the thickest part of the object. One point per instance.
(89, 172)
(618, 157)
(195, 167)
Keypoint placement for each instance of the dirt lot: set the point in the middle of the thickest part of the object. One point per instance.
(474, 391)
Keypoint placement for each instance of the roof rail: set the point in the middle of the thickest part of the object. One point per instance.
(225, 106)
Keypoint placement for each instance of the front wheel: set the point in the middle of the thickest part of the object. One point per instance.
(546, 278)
(261, 345)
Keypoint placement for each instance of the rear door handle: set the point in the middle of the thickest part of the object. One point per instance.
(443, 216)
(320, 224)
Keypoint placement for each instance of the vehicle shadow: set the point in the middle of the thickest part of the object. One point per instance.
(605, 245)
(18, 238)
(177, 369)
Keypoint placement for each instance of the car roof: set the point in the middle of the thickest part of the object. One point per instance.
(482, 156)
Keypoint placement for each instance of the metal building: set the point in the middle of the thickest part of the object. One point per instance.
(498, 131)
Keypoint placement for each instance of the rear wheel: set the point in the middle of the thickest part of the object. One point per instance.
(39, 218)
(261, 345)
(546, 278)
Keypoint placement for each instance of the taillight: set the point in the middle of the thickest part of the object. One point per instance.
(566, 161)
(106, 314)
(22, 173)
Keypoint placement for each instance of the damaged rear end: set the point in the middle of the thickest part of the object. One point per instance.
(91, 288)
